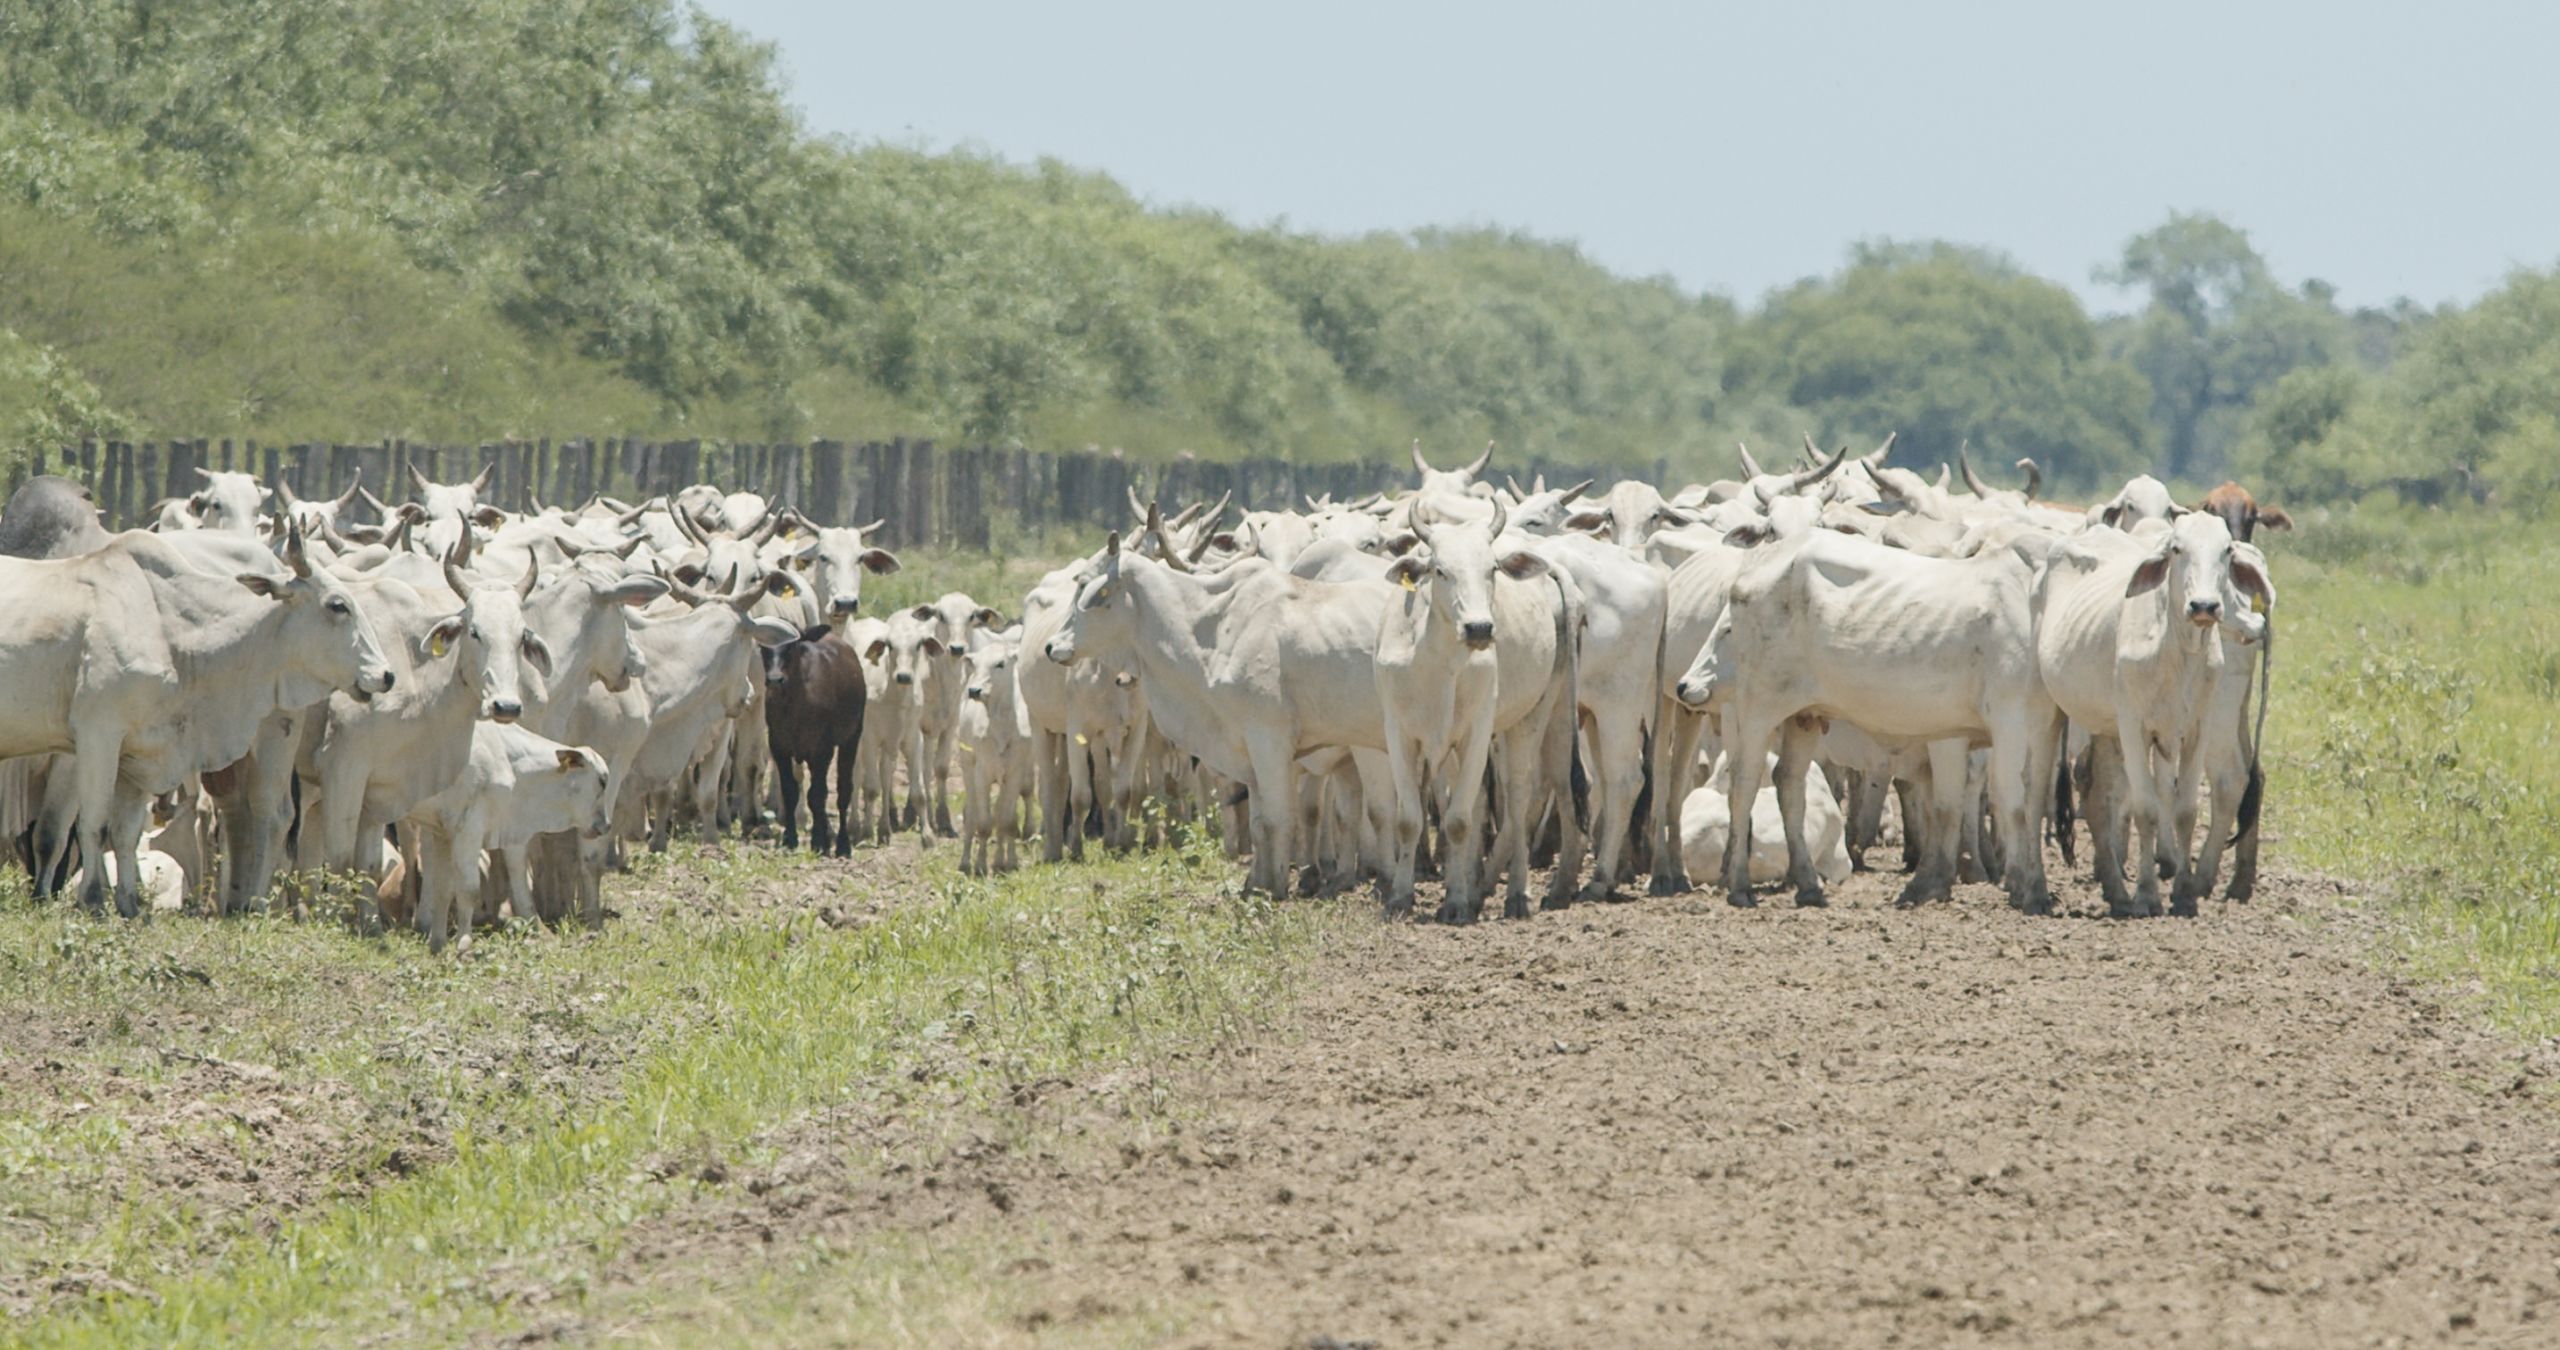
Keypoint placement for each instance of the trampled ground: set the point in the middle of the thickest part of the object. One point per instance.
(1669, 1122)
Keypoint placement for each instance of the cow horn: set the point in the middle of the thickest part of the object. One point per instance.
(533, 499)
(1876, 460)
(204, 473)
(1477, 465)
(686, 525)
(1805, 478)
(454, 562)
(1501, 517)
(741, 598)
(1575, 491)
(290, 497)
(1810, 455)
(1420, 465)
(295, 556)
(767, 528)
(1750, 466)
(1419, 518)
(1137, 508)
(1200, 549)
(2034, 473)
(1155, 526)
(373, 501)
(1512, 481)
(1944, 474)
(866, 529)
(625, 519)
(416, 478)
(532, 572)
(1220, 510)
(480, 481)
(1972, 480)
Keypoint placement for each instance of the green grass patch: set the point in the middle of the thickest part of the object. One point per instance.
(2413, 735)
(751, 989)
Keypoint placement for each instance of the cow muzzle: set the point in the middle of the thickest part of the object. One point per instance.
(1062, 654)
(904, 677)
(2204, 613)
(370, 683)
(977, 693)
(1477, 635)
(843, 605)
(1693, 693)
(505, 710)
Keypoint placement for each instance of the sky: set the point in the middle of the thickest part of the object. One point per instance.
(2391, 149)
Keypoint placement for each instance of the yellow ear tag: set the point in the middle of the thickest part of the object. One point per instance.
(1407, 579)
(1080, 740)
(2257, 604)
(437, 646)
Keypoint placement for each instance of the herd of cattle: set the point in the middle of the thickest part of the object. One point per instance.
(467, 705)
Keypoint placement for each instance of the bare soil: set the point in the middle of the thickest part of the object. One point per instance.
(1671, 1122)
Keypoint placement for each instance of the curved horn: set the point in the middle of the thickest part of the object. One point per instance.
(291, 498)
(1512, 481)
(1750, 466)
(534, 499)
(1136, 507)
(686, 525)
(348, 498)
(1575, 491)
(866, 529)
(1155, 526)
(1476, 466)
(294, 555)
(370, 500)
(532, 572)
(2035, 475)
(1420, 465)
(1200, 549)
(1812, 452)
(1972, 480)
(767, 528)
(1219, 510)
(1420, 519)
(626, 519)
(204, 473)
(1805, 478)
(480, 481)
(1500, 518)
(454, 562)
(1876, 460)
(1943, 474)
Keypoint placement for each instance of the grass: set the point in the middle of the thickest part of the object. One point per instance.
(745, 991)
(2413, 737)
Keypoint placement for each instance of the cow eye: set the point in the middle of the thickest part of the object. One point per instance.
(475, 632)
(338, 604)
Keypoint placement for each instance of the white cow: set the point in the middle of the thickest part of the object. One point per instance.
(147, 669)
(998, 750)
(1706, 829)
(515, 785)
(2135, 636)
(1910, 649)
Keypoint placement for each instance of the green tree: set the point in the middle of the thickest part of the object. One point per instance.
(1944, 344)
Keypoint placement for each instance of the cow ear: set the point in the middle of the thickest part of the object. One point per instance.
(1523, 565)
(262, 585)
(780, 583)
(986, 617)
(488, 517)
(924, 612)
(1586, 520)
(1407, 571)
(1400, 544)
(880, 560)
(878, 648)
(690, 574)
(1752, 535)
(537, 652)
(574, 758)
(635, 590)
(2110, 516)
(440, 639)
(2147, 577)
(2253, 584)
(2274, 518)
(932, 646)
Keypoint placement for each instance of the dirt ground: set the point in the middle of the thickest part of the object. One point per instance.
(1671, 1122)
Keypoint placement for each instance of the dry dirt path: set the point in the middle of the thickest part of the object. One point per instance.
(1670, 1122)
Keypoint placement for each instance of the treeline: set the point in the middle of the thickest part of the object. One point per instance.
(501, 219)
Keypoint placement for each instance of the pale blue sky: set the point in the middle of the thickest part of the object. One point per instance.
(2388, 148)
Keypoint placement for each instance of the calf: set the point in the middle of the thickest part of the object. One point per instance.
(997, 747)
(2241, 513)
(814, 699)
(517, 785)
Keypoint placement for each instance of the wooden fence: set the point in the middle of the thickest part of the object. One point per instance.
(930, 496)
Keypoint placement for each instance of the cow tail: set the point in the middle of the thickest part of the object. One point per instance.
(2063, 836)
(2255, 793)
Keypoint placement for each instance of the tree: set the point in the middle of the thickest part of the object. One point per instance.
(2218, 329)
(1943, 345)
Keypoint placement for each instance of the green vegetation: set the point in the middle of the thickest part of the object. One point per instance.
(473, 219)
(470, 1140)
(2414, 743)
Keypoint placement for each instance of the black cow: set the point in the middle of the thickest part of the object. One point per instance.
(813, 704)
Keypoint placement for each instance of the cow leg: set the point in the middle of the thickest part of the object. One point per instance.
(822, 827)
(93, 778)
(2020, 759)
(2193, 881)
(1675, 754)
(1551, 781)
(2143, 795)
(1274, 797)
(1931, 831)
(125, 824)
(1746, 759)
(1404, 757)
(1795, 760)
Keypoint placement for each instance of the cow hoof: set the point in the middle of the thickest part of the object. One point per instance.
(2127, 910)
(1517, 907)
(1811, 897)
(2183, 909)
(1556, 902)
(1451, 912)
(1742, 900)
(1400, 909)
(2239, 892)
(1667, 884)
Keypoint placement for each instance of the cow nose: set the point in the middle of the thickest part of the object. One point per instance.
(978, 692)
(2203, 609)
(1479, 633)
(505, 710)
(844, 604)
(906, 678)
